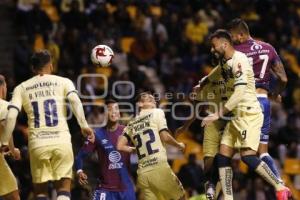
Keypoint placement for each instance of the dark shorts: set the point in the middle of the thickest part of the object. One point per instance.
(265, 130)
(102, 194)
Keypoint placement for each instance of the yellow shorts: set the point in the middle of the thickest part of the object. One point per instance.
(243, 131)
(8, 182)
(212, 138)
(160, 184)
(51, 162)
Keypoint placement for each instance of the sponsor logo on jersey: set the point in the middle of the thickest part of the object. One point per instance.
(255, 47)
(115, 157)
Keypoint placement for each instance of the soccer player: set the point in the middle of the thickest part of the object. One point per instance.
(50, 150)
(263, 58)
(114, 179)
(8, 182)
(214, 94)
(246, 125)
(149, 133)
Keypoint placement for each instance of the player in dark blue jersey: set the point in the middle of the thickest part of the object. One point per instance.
(114, 179)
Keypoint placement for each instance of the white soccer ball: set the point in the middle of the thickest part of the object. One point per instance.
(102, 55)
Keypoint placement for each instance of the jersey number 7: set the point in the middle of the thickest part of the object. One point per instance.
(265, 59)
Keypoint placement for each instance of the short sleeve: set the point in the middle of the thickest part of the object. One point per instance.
(162, 122)
(69, 87)
(3, 109)
(17, 100)
(126, 133)
(274, 56)
(239, 69)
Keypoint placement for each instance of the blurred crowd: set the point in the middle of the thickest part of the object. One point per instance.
(160, 46)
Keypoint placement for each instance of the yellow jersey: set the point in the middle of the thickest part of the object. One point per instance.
(3, 109)
(144, 132)
(215, 92)
(238, 71)
(43, 99)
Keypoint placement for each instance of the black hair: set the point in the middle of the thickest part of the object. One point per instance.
(2, 79)
(221, 33)
(139, 96)
(109, 101)
(239, 25)
(40, 59)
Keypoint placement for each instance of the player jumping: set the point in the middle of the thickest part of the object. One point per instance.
(246, 125)
(214, 93)
(263, 58)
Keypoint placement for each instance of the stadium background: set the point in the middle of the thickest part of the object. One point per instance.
(161, 46)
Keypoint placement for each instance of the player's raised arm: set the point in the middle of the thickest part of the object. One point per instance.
(78, 111)
(122, 144)
(279, 71)
(239, 70)
(166, 137)
(13, 110)
(205, 80)
(164, 132)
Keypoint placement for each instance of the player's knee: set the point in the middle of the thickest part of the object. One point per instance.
(251, 161)
(63, 195)
(223, 161)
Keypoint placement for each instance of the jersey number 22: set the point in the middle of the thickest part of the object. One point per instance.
(148, 143)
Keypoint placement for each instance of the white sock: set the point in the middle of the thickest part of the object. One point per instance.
(63, 197)
(226, 182)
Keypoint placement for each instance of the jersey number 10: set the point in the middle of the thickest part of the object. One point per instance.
(50, 109)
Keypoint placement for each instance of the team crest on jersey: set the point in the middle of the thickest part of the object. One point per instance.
(255, 47)
(104, 141)
(239, 72)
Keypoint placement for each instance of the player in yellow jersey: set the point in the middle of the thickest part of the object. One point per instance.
(8, 182)
(50, 150)
(213, 94)
(246, 124)
(149, 133)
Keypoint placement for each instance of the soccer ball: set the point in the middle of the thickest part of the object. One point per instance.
(102, 55)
